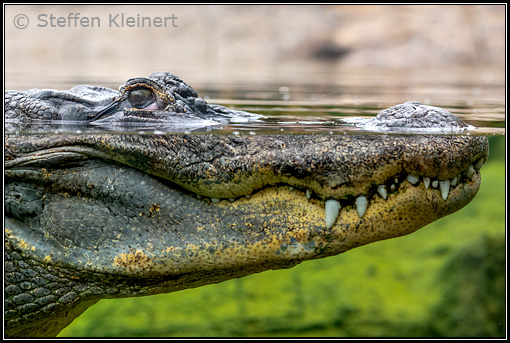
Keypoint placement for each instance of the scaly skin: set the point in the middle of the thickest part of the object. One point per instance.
(92, 216)
(161, 98)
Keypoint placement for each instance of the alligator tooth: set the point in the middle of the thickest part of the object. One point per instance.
(332, 210)
(435, 183)
(412, 179)
(215, 200)
(445, 188)
(396, 180)
(453, 182)
(470, 171)
(478, 163)
(392, 187)
(382, 191)
(308, 194)
(361, 205)
(426, 182)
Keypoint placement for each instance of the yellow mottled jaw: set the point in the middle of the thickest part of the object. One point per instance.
(444, 186)
(228, 205)
(285, 223)
(312, 227)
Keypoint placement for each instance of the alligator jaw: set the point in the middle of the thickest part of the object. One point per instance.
(337, 228)
(234, 211)
(448, 189)
(143, 215)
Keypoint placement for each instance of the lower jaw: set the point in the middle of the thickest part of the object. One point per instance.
(401, 214)
(307, 235)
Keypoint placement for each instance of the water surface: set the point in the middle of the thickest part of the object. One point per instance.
(322, 102)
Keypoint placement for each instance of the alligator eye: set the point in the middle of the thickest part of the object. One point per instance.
(141, 97)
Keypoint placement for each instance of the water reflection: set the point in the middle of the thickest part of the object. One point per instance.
(281, 118)
(323, 103)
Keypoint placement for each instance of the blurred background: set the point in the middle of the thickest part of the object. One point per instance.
(226, 43)
(446, 280)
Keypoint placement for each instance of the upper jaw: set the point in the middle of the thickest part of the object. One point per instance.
(329, 168)
(330, 208)
(463, 185)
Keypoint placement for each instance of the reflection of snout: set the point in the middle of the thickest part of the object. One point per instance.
(113, 116)
(106, 112)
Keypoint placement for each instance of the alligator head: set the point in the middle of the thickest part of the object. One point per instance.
(91, 216)
(163, 98)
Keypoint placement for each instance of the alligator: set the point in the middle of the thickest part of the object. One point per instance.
(90, 216)
(161, 99)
